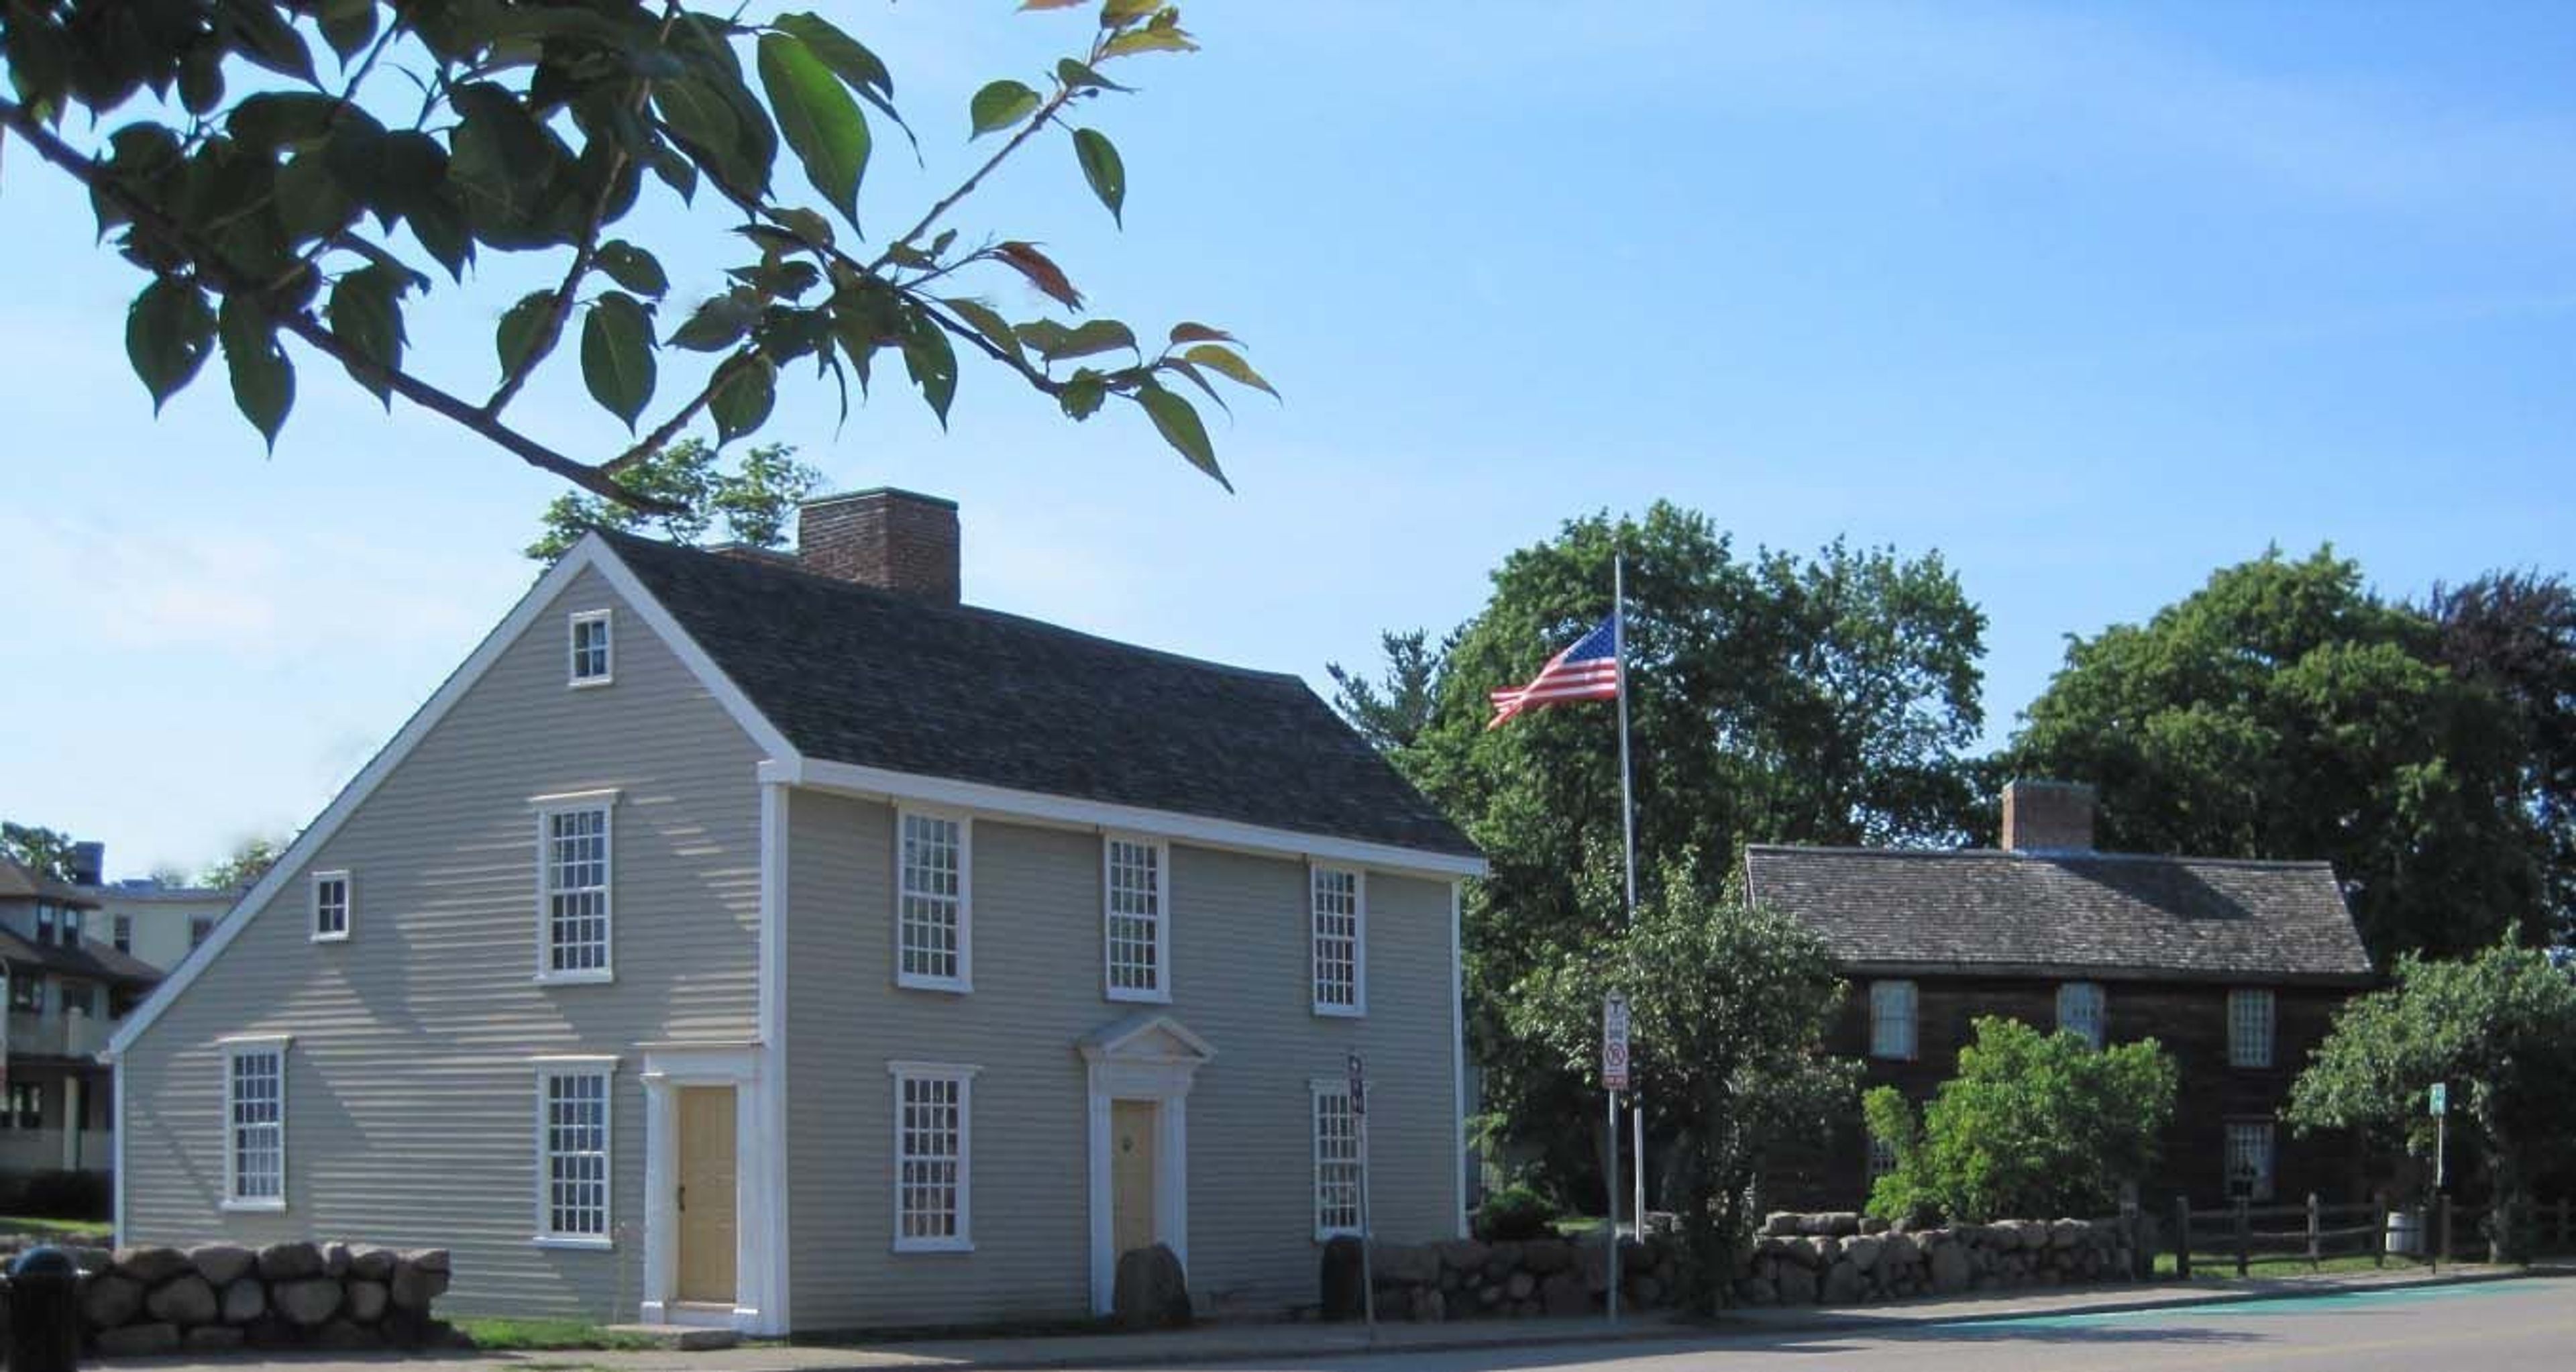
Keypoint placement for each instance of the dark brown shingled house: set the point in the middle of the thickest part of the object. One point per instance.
(2235, 966)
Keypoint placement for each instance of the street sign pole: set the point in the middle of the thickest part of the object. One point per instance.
(1614, 1078)
(1359, 1122)
(2441, 1105)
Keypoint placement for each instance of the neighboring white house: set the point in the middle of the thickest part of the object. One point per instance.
(156, 923)
(785, 945)
(65, 991)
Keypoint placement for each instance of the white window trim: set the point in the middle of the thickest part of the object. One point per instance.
(348, 907)
(234, 1048)
(1161, 994)
(546, 808)
(1913, 1049)
(594, 1066)
(963, 1073)
(1317, 1088)
(2271, 1028)
(1358, 1008)
(2101, 1011)
(964, 982)
(573, 679)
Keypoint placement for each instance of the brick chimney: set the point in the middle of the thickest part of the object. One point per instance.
(887, 538)
(2048, 817)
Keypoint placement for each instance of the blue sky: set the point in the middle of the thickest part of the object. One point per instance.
(2090, 299)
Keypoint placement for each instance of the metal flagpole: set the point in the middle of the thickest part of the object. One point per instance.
(1628, 837)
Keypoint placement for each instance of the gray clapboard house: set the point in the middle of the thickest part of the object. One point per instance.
(782, 944)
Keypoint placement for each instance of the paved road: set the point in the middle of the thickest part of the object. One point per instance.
(2507, 1326)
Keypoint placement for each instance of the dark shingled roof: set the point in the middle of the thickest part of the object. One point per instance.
(96, 961)
(2106, 915)
(18, 882)
(859, 675)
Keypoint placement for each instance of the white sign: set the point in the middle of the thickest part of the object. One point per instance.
(1614, 1042)
(1359, 1084)
(2441, 1098)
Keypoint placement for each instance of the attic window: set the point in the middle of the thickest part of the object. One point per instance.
(592, 656)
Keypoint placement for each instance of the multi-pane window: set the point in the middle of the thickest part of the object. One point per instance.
(330, 905)
(1337, 1159)
(931, 1117)
(2249, 1027)
(931, 918)
(1891, 1019)
(574, 865)
(2249, 1159)
(1882, 1157)
(2080, 1010)
(255, 1119)
(71, 927)
(25, 1106)
(27, 994)
(48, 919)
(1339, 932)
(124, 930)
(1137, 950)
(572, 1167)
(591, 660)
(79, 997)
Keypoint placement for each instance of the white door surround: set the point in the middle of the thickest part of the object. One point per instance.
(1148, 1056)
(759, 1259)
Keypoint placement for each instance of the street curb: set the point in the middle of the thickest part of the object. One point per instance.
(1661, 1329)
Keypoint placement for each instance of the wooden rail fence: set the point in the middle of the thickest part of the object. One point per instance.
(2314, 1232)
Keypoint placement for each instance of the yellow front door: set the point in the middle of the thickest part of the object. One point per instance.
(1131, 1173)
(706, 1199)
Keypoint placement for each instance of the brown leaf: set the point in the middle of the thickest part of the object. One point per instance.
(1041, 271)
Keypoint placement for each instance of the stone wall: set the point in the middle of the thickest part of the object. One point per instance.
(1464, 1279)
(137, 1302)
(1846, 1259)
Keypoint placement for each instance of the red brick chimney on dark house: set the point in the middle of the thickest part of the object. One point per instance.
(2048, 817)
(896, 540)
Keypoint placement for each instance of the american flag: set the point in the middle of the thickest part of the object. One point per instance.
(1587, 671)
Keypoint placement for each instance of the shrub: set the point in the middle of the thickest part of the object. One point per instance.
(1514, 1213)
(57, 1195)
(2034, 1125)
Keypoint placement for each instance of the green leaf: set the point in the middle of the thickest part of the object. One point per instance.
(813, 228)
(1000, 105)
(617, 355)
(1102, 168)
(932, 362)
(1199, 333)
(310, 202)
(632, 267)
(986, 321)
(719, 323)
(1118, 14)
(275, 119)
(1179, 425)
(746, 388)
(1228, 364)
(1054, 341)
(201, 79)
(707, 128)
(1078, 76)
(168, 333)
(520, 341)
(263, 380)
(259, 29)
(818, 118)
(348, 26)
(366, 315)
(1082, 394)
(848, 58)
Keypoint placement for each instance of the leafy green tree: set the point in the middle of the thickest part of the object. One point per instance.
(45, 852)
(2515, 634)
(246, 864)
(1392, 712)
(2499, 1028)
(1728, 1006)
(2034, 1126)
(265, 200)
(2284, 711)
(693, 491)
(1774, 698)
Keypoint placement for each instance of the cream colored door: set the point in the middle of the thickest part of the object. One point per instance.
(1131, 1173)
(706, 1199)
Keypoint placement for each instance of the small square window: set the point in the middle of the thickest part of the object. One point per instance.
(330, 906)
(593, 658)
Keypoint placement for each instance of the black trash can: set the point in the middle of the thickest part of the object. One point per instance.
(44, 1311)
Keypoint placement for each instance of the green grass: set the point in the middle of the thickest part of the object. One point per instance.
(2222, 1266)
(84, 1231)
(497, 1335)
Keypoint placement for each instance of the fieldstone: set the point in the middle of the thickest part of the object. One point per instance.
(1565, 1294)
(1408, 1264)
(1464, 1255)
(1755, 1291)
(1489, 1295)
(1427, 1306)
(220, 1263)
(342, 1336)
(2067, 1233)
(1520, 1285)
(1649, 1292)
(1345, 1292)
(414, 1286)
(244, 1301)
(1593, 1261)
(1800, 1252)
(150, 1265)
(335, 1259)
(214, 1338)
(1828, 1250)
(1898, 1250)
(290, 1261)
(1779, 1224)
(1816, 1224)
(109, 1301)
(1150, 1291)
(1872, 1224)
(1544, 1256)
(183, 1300)
(1949, 1269)
(1637, 1258)
(1797, 1285)
(428, 1259)
(1451, 1279)
(1842, 1224)
(1842, 1284)
(136, 1341)
(367, 1301)
(373, 1263)
(307, 1301)
(93, 1260)
(1502, 1258)
(1862, 1253)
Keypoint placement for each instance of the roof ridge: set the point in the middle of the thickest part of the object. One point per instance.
(2047, 855)
(764, 566)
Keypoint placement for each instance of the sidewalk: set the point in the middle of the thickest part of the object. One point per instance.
(1270, 1343)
